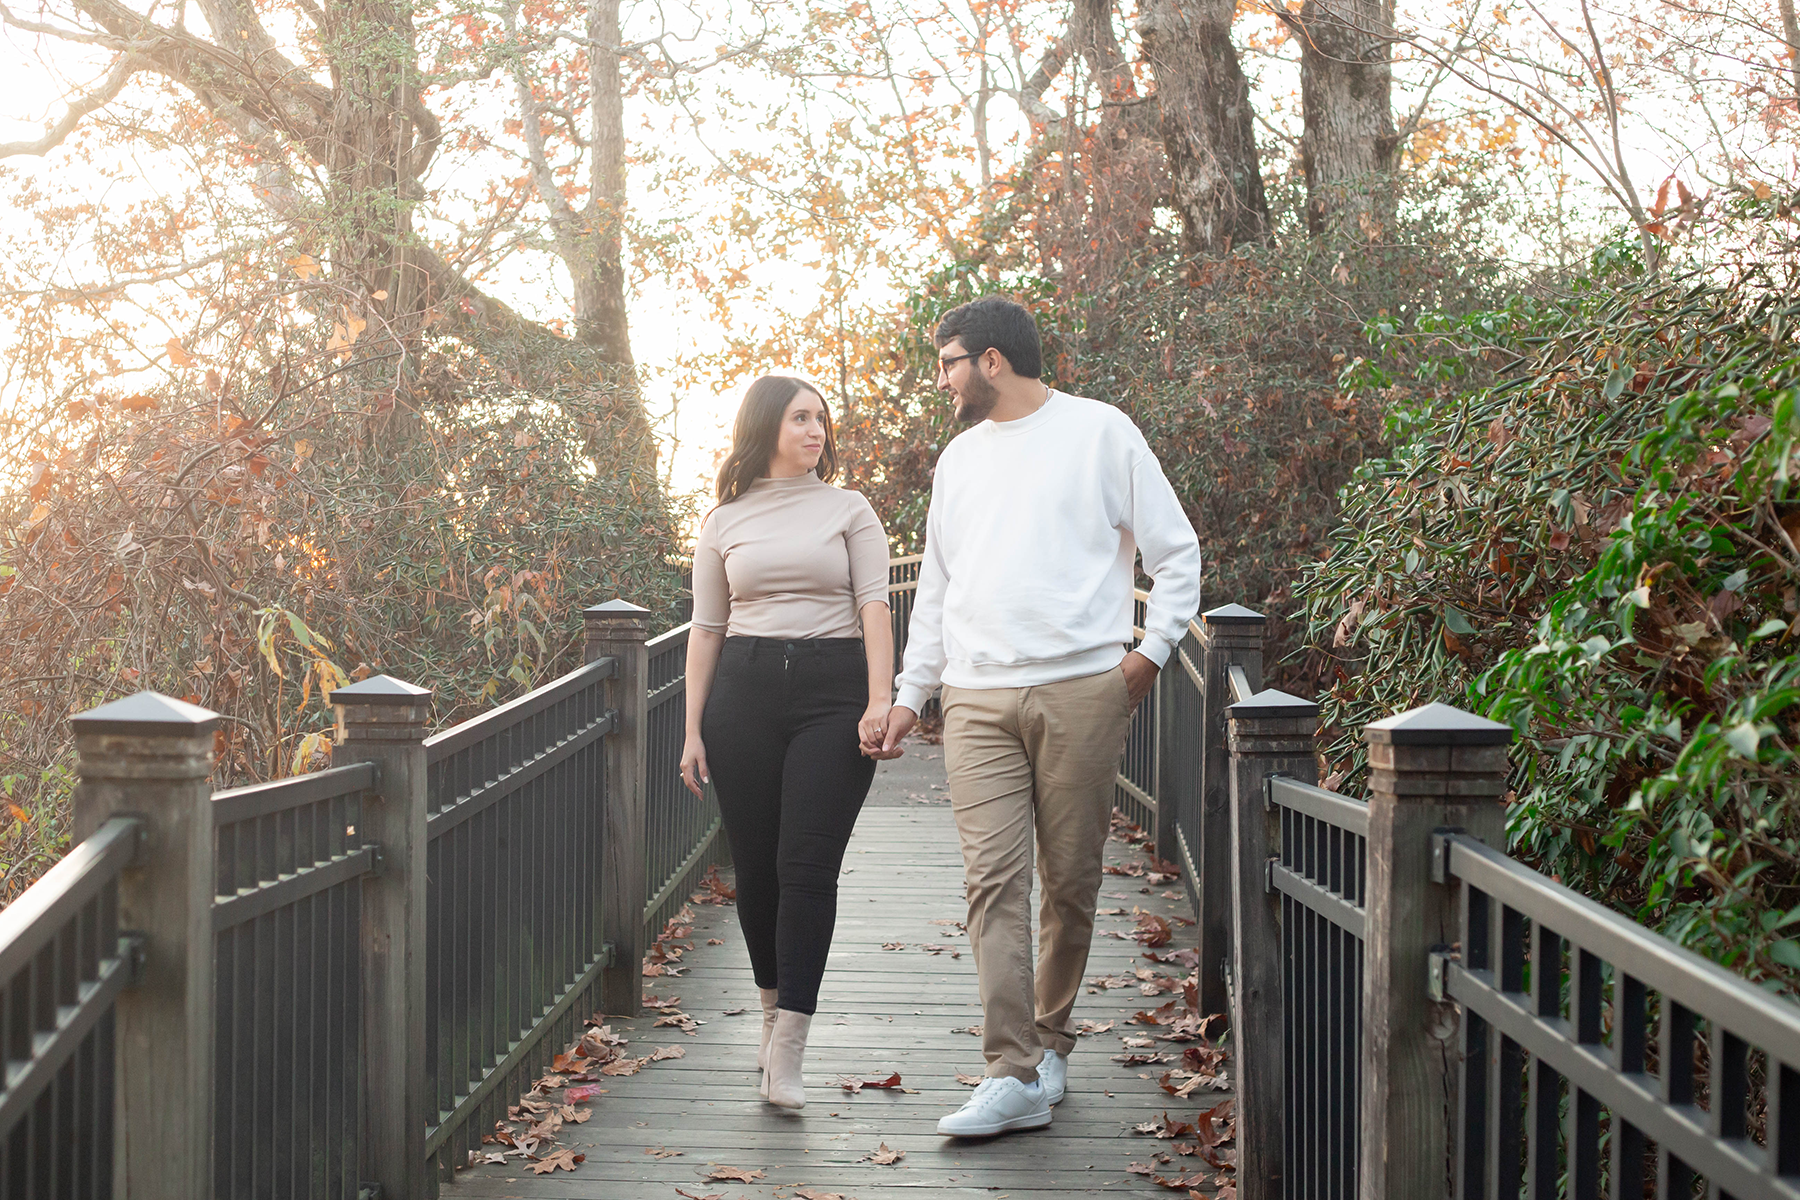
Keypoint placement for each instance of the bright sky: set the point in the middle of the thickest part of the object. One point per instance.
(670, 324)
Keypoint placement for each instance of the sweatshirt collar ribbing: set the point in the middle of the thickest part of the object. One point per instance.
(768, 484)
(1023, 425)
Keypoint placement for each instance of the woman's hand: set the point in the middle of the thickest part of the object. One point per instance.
(694, 771)
(872, 728)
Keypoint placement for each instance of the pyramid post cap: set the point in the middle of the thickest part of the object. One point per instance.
(1232, 614)
(380, 689)
(613, 610)
(148, 714)
(1438, 724)
(1271, 703)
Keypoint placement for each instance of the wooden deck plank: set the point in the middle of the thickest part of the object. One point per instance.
(879, 1011)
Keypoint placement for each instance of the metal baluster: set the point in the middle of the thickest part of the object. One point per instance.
(1507, 1064)
(1631, 1031)
(1730, 1089)
(1544, 1102)
(1674, 1178)
(1471, 1137)
(1584, 1110)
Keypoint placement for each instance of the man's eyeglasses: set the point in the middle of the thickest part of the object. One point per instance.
(944, 364)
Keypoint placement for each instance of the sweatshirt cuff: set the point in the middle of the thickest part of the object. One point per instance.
(912, 696)
(1156, 648)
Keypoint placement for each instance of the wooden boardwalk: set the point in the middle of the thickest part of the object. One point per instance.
(881, 1011)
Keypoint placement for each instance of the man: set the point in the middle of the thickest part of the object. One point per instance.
(1022, 614)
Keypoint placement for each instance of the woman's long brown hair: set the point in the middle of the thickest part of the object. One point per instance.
(758, 427)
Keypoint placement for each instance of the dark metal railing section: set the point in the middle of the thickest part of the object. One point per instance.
(1596, 1048)
(1135, 790)
(681, 833)
(903, 589)
(513, 929)
(1183, 765)
(288, 985)
(1319, 871)
(62, 966)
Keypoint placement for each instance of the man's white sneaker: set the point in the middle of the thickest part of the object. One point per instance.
(999, 1105)
(1053, 1073)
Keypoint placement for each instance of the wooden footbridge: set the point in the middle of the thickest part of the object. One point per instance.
(473, 961)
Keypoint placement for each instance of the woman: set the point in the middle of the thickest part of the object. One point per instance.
(789, 679)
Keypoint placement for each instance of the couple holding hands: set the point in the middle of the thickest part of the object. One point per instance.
(1039, 509)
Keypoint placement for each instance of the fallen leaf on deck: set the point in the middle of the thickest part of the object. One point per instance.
(1137, 1043)
(714, 890)
(1088, 1028)
(576, 1095)
(662, 1152)
(576, 1116)
(1138, 1168)
(715, 941)
(731, 1012)
(884, 1157)
(969, 1080)
(566, 1159)
(1162, 1127)
(624, 1066)
(933, 948)
(1140, 1060)
(810, 1194)
(653, 1002)
(893, 945)
(1180, 1184)
(1163, 1015)
(734, 1175)
(974, 1029)
(668, 1052)
(698, 1196)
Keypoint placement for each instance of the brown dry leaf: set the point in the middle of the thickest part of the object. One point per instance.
(715, 941)
(1138, 1043)
(698, 1196)
(893, 945)
(568, 1160)
(884, 1157)
(178, 354)
(576, 1116)
(1163, 1015)
(653, 1002)
(1180, 1184)
(1138, 1168)
(1088, 1028)
(974, 1029)
(969, 1080)
(1162, 1127)
(1141, 1060)
(624, 1066)
(734, 1175)
(662, 1152)
(810, 1194)
(667, 1052)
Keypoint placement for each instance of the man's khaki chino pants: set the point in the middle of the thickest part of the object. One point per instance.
(1022, 761)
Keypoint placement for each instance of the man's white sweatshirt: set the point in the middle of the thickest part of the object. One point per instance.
(1027, 575)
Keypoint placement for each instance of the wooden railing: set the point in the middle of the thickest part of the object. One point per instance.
(1417, 1016)
(329, 986)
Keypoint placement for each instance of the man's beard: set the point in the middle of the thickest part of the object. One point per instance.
(978, 400)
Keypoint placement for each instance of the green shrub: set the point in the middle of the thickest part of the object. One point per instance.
(1599, 548)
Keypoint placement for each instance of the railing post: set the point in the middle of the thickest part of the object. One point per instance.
(382, 720)
(619, 629)
(1229, 635)
(152, 756)
(1435, 767)
(1272, 733)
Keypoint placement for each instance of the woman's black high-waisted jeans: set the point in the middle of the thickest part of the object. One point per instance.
(780, 734)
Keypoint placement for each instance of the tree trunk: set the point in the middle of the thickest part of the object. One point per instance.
(1346, 86)
(600, 316)
(1208, 126)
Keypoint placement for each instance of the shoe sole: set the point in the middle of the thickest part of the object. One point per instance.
(1028, 1121)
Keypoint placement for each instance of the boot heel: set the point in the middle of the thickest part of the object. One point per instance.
(768, 996)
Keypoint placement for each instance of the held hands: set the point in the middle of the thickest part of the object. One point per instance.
(694, 771)
(900, 721)
(872, 729)
(1140, 676)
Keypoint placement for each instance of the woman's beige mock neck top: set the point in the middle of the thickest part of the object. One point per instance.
(790, 558)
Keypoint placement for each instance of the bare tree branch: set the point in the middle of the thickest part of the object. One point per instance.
(80, 107)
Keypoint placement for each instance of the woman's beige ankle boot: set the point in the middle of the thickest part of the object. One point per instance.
(768, 1027)
(787, 1049)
